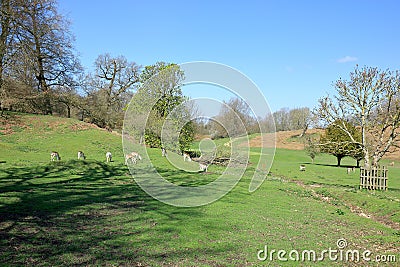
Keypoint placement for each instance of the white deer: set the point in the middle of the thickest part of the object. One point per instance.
(350, 170)
(55, 156)
(186, 156)
(203, 167)
(163, 152)
(81, 155)
(133, 157)
(108, 156)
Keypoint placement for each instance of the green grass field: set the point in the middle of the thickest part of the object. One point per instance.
(92, 213)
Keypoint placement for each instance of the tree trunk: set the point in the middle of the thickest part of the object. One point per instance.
(304, 131)
(339, 159)
(367, 164)
(375, 161)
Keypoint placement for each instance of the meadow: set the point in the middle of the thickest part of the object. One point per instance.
(92, 213)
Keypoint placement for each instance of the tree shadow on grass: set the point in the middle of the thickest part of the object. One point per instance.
(85, 213)
(329, 165)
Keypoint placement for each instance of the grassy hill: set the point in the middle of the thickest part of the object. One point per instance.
(31, 139)
(92, 213)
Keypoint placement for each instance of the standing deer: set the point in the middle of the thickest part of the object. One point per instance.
(81, 155)
(350, 170)
(186, 156)
(108, 157)
(133, 157)
(163, 152)
(203, 167)
(55, 156)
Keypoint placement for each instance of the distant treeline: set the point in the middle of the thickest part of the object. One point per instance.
(236, 119)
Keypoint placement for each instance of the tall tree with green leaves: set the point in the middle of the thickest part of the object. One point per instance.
(159, 101)
(336, 142)
(311, 146)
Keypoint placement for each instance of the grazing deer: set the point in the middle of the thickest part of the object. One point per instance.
(55, 156)
(108, 157)
(163, 152)
(81, 155)
(350, 170)
(186, 156)
(133, 157)
(391, 164)
(203, 167)
(302, 168)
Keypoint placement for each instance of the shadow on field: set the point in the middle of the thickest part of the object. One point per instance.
(83, 213)
(330, 165)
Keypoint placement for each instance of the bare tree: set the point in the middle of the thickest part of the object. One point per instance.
(44, 55)
(234, 113)
(6, 18)
(281, 118)
(299, 118)
(371, 99)
(109, 89)
(267, 124)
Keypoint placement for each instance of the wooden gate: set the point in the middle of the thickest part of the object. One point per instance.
(374, 179)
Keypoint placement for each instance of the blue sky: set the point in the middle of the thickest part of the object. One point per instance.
(292, 50)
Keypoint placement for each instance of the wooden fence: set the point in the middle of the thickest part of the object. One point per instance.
(374, 179)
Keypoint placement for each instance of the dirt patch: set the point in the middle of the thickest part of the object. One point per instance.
(11, 125)
(83, 126)
(284, 139)
(289, 140)
(385, 220)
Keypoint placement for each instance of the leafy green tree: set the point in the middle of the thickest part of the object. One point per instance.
(336, 142)
(159, 101)
(311, 147)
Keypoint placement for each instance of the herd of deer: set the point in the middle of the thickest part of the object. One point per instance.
(132, 157)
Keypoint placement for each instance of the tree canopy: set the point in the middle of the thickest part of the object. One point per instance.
(336, 142)
(158, 106)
